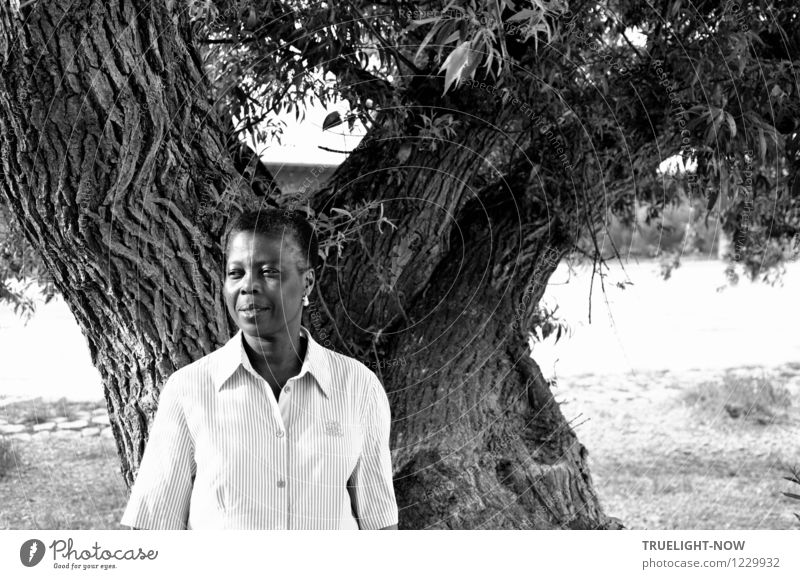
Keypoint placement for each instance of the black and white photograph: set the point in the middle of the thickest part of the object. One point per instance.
(407, 266)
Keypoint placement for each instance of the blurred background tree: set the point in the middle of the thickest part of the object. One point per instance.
(20, 269)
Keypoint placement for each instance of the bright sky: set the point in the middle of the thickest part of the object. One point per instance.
(301, 140)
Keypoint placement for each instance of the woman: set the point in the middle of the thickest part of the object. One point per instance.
(272, 430)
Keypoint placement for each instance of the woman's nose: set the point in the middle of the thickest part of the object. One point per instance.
(251, 283)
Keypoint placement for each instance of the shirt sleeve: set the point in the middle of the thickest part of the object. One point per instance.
(162, 488)
(371, 487)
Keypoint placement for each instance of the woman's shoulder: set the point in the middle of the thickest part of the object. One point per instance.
(348, 364)
(351, 371)
(198, 374)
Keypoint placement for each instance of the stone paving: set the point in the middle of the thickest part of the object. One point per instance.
(80, 423)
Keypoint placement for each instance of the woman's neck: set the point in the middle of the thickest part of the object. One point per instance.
(278, 354)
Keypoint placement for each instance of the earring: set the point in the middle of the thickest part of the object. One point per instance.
(305, 300)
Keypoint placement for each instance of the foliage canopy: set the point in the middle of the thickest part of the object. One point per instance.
(591, 97)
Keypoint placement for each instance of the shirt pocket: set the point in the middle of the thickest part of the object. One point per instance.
(339, 446)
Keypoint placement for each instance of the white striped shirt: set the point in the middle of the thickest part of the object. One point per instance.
(224, 454)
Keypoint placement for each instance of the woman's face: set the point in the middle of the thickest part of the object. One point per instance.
(263, 289)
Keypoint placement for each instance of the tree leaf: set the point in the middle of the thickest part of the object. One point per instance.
(724, 180)
(342, 212)
(454, 63)
(416, 23)
(712, 200)
(452, 38)
(731, 123)
(252, 19)
(425, 41)
(526, 14)
(333, 119)
(473, 59)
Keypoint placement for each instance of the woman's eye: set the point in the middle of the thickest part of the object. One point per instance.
(239, 272)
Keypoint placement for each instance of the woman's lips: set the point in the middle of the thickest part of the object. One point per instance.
(252, 311)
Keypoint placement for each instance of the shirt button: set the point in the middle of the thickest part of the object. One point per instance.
(287, 389)
(281, 484)
(279, 434)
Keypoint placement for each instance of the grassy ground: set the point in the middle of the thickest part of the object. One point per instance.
(58, 483)
(670, 452)
(63, 484)
(666, 451)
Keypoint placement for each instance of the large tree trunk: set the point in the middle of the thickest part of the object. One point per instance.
(478, 440)
(116, 166)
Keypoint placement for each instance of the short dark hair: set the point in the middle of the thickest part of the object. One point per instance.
(275, 223)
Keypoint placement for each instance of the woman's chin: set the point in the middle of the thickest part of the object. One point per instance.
(253, 321)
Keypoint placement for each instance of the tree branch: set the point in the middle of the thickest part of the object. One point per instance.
(397, 54)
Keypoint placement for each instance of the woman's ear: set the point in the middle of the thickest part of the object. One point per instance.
(309, 280)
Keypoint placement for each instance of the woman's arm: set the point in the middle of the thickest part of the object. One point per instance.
(161, 492)
(371, 487)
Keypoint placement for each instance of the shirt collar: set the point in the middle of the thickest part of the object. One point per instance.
(232, 355)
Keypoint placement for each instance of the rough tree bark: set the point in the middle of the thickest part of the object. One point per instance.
(478, 440)
(116, 167)
(115, 164)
